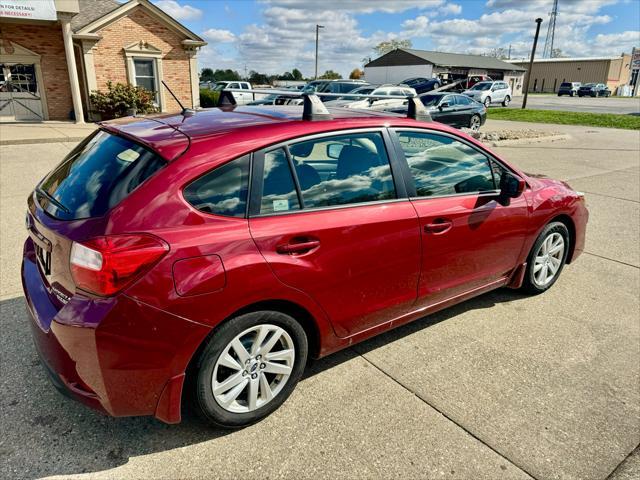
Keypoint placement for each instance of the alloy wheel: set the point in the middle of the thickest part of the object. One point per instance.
(475, 123)
(253, 368)
(548, 259)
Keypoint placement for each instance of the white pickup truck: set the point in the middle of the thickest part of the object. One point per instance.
(242, 98)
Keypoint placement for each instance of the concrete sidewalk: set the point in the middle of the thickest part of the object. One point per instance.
(45, 132)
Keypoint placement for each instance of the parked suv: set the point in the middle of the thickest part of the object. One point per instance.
(569, 88)
(216, 251)
(594, 90)
(490, 92)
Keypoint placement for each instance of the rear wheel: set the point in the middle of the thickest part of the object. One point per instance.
(571, 94)
(487, 102)
(474, 123)
(506, 101)
(249, 368)
(547, 258)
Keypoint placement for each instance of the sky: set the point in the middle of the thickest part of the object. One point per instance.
(274, 36)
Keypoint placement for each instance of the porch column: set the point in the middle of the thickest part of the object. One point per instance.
(71, 65)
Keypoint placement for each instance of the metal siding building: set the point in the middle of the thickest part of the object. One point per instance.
(549, 73)
(403, 63)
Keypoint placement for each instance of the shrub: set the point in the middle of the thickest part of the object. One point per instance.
(208, 98)
(120, 99)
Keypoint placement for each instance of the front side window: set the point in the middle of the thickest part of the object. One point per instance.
(343, 169)
(146, 75)
(223, 191)
(441, 165)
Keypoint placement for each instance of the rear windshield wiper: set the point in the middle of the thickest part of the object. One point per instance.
(49, 197)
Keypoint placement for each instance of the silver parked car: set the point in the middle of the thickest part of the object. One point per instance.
(490, 92)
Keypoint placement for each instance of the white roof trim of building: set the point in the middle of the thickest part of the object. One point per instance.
(150, 8)
(568, 59)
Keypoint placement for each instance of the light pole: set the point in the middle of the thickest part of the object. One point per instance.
(533, 54)
(318, 27)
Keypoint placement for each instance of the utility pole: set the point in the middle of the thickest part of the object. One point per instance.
(533, 54)
(509, 56)
(318, 27)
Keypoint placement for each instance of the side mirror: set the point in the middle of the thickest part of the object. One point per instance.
(510, 185)
(334, 149)
(443, 105)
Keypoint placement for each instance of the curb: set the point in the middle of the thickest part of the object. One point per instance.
(28, 141)
(520, 141)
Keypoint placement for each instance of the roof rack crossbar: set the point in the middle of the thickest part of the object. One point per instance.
(314, 109)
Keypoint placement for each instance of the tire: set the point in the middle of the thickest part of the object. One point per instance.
(534, 281)
(506, 101)
(474, 122)
(487, 102)
(220, 358)
(571, 94)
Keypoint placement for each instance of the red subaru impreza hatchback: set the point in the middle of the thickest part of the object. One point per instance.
(215, 252)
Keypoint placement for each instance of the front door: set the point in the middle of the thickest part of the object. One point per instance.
(19, 93)
(340, 229)
(469, 240)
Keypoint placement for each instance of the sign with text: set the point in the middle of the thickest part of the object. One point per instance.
(28, 9)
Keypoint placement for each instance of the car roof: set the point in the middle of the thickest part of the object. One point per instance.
(252, 127)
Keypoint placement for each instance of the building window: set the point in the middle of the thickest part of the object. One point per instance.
(145, 76)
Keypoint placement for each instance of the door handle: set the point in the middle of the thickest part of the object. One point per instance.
(299, 247)
(438, 226)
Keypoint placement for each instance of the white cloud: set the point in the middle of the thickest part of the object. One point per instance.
(179, 12)
(218, 36)
(357, 6)
(451, 9)
(616, 43)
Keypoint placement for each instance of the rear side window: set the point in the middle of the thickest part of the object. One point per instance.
(278, 190)
(343, 169)
(223, 191)
(441, 165)
(96, 176)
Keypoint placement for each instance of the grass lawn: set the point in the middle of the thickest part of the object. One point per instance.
(611, 120)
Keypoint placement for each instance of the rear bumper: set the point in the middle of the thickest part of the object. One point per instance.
(116, 355)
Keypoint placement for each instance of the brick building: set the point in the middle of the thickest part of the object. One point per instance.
(53, 53)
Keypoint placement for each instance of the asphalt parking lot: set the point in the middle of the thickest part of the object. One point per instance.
(623, 105)
(502, 386)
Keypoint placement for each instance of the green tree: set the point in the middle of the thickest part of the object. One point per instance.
(227, 74)
(385, 47)
(330, 75)
(356, 74)
(297, 74)
(206, 75)
(258, 78)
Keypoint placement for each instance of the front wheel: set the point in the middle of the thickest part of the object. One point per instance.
(248, 368)
(571, 94)
(506, 101)
(487, 102)
(474, 123)
(547, 258)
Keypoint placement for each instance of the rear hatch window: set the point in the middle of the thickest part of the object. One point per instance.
(566, 85)
(96, 176)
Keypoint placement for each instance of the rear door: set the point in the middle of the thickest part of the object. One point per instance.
(469, 240)
(341, 229)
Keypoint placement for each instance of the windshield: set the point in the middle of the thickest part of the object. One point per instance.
(97, 175)
(430, 100)
(413, 81)
(218, 87)
(312, 87)
(589, 85)
(359, 91)
(481, 86)
(565, 84)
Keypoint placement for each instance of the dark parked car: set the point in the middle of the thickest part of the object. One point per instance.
(594, 90)
(453, 109)
(569, 88)
(217, 251)
(421, 84)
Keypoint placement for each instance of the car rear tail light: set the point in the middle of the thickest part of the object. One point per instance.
(105, 265)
